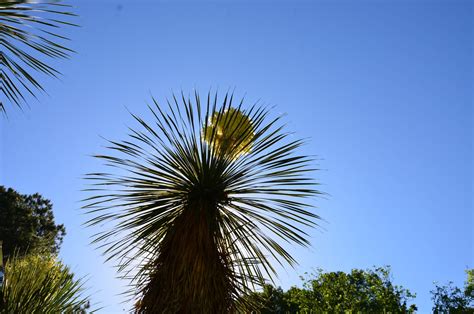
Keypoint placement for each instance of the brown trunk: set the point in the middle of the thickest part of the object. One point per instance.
(190, 275)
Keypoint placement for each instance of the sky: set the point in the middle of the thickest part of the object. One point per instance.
(382, 89)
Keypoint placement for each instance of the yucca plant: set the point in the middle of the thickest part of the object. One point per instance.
(40, 284)
(203, 197)
(29, 34)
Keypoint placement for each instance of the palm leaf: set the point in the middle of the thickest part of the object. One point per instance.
(29, 34)
(204, 199)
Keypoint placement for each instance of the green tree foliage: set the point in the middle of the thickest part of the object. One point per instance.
(270, 300)
(29, 34)
(40, 284)
(360, 291)
(454, 300)
(27, 223)
(200, 211)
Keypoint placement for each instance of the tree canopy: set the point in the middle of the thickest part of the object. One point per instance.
(27, 223)
(360, 291)
(452, 299)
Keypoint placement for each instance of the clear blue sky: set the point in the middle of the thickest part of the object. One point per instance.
(384, 89)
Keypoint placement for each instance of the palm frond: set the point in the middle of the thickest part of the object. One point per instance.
(206, 197)
(29, 34)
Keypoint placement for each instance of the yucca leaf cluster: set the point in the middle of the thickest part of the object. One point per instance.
(40, 284)
(204, 198)
(29, 35)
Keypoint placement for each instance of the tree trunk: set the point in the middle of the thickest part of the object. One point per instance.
(190, 274)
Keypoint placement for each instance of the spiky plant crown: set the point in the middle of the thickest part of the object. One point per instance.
(40, 284)
(29, 34)
(202, 211)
